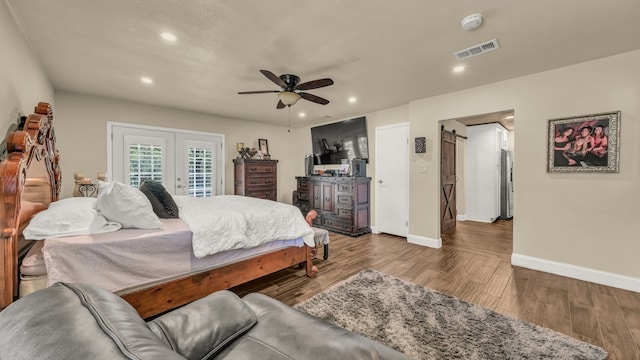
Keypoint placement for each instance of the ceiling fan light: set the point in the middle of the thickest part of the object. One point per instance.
(288, 97)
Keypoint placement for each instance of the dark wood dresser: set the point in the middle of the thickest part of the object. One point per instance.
(342, 202)
(256, 178)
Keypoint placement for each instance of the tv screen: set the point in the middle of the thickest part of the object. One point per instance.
(340, 140)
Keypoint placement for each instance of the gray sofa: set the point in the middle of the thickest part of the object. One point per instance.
(71, 321)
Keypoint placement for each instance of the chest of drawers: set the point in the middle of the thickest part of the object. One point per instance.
(342, 203)
(256, 178)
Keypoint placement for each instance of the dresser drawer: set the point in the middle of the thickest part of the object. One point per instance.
(258, 189)
(345, 213)
(303, 195)
(260, 169)
(303, 184)
(344, 187)
(260, 180)
(344, 200)
(337, 224)
(269, 194)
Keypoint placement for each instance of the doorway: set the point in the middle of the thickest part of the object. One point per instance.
(465, 183)
(185, 162)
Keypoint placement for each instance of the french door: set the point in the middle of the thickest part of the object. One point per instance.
(187, 163)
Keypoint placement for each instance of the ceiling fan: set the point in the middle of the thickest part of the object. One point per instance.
(290, 85)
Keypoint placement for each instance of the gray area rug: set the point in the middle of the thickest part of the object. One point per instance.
(426, 324)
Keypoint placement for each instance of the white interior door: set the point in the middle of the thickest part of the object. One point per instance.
(392, 179)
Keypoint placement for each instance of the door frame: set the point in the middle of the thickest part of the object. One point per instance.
(376, 169)
(111, 124)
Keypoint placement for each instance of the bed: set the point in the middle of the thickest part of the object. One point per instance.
(31, 181)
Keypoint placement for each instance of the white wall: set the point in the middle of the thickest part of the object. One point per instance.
(81, 130)
(23, 82)
(589, 221)
(583, 220)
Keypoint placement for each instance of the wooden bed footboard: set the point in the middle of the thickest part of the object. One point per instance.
(158, 299)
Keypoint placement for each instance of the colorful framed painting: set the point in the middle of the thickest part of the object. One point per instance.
(585, 143)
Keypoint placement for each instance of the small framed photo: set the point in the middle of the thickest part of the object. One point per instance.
(421, 145)
(585, 143)
(263, 146)
(344, 167)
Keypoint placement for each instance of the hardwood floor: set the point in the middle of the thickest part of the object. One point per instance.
(474, 265)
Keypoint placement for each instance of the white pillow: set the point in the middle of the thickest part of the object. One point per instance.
(128, 206)
(68, 217)
(103, 187)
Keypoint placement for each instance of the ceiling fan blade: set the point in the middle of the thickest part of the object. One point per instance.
(271, 76)
(280, 105)
(313, 98)
(258, 92)
(315, 84)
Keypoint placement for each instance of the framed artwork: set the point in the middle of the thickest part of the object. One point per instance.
(585, 143)
(263, 146)
(421, 145)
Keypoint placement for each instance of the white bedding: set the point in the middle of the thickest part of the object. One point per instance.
(132, 258)
(235, 222)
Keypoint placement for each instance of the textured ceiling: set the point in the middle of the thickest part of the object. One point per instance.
(384, 52)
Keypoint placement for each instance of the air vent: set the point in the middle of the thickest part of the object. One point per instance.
(477, 49)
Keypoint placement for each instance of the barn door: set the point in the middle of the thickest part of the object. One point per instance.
(447, 181)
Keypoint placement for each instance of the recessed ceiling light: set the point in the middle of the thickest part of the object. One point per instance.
(352, 100)
(168, 36)
(302, 114)
(459, 68)
(146, 80)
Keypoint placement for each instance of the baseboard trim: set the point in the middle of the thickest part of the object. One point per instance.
(424, 241)
(577, 272)
(374, 230)
(461, 217)
(480, 220)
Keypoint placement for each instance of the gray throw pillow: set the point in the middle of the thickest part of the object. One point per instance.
(161, 201)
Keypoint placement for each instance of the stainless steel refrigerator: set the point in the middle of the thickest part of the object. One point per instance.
(506, 185)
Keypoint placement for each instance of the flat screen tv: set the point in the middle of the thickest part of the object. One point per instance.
(345, 139)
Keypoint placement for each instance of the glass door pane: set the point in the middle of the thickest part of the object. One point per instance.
(201, 171)
(145, 163)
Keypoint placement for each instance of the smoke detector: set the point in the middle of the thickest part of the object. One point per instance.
(471, 22)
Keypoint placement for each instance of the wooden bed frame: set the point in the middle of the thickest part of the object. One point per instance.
(30, 179)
